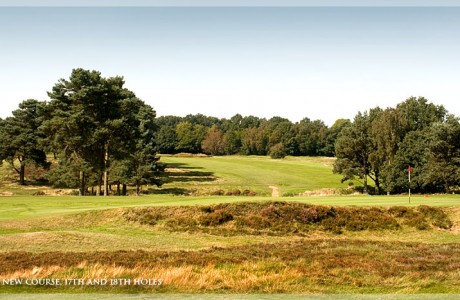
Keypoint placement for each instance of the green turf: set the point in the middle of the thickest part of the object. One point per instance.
(17, 207)
(292, 175)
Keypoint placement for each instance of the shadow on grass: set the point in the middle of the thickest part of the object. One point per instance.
(181, 166)
(170, 191)
(185, 173)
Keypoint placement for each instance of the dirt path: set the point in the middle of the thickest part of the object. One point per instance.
(275, 191)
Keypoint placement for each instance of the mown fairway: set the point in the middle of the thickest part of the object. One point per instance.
(292, 175)
(235, 244)
(25, 207)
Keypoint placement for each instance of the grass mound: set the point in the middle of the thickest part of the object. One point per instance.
(280, 218)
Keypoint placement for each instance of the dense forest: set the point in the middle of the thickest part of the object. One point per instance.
(100, 134)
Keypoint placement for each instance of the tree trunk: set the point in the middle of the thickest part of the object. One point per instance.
(118, 188)
(98, 187)
(81, 191)
(106, 159)
(377, 185)
(106, 188)
(447, 188)
(365, 184)
(123, 192)
(138, 189)
(22, 173)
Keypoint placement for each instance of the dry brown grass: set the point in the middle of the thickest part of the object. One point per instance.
(296, 267)
(321, 192)
(454, 212)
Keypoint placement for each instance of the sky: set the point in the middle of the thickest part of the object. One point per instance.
(294, 61)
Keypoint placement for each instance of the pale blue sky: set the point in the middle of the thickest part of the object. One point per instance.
(295, 62)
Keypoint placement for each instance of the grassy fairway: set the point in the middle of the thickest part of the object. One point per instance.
(292, 175)
(20, 207)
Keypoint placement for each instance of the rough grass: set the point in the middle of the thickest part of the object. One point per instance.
(320, 266)
(105, 230)
(219, 255)
(193, 228)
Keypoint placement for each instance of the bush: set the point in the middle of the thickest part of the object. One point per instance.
(218, 193)
(215, 218)
(331, 225)
(142, 216)
(207, 209)
(249, 193)
(401, 211)
(235, 192)
(75, 193)
(181, 224)
(277, 151)
(253, 221)
(437, 216)
(418, 221)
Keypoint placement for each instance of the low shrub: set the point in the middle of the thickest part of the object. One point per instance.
(401, 211)
(215, 218)
(286, 218)
(418, 222)
(74, 193)
(234, 192)
(207, 209)
(181, 224)
(253, 221)
(143, 216)
(249, 193)
(218, 193)
(436, 215)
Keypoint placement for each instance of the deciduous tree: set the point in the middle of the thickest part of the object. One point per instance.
(215, 142)
(443, 163)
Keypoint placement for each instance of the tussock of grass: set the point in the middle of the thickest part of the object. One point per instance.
(280, 218)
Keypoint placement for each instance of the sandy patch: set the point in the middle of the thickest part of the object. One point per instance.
(275, 191)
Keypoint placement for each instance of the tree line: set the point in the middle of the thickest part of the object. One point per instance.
(247, 135)
(101, 135)
(377, 145)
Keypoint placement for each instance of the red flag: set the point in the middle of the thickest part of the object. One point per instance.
(410, 170)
